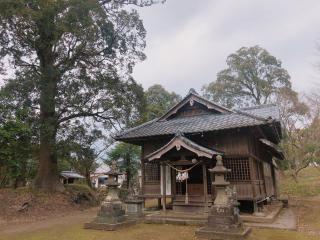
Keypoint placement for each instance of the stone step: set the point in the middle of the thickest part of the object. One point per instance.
(193, 222)
(181, 220)
(190, 204)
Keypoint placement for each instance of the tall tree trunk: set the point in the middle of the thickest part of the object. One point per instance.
(47, 176)
(88, 179)
(3, 176)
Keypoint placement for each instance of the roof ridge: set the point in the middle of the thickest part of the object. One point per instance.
(258, 106)
(196, 116)
(251, 115)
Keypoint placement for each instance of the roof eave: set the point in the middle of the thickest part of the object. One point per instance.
(180, 141)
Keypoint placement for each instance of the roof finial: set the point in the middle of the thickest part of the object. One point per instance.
(193, 91)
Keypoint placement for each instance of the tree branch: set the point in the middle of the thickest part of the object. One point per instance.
(85, 114)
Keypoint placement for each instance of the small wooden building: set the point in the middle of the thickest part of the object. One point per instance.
(70, 177)
(189, 137)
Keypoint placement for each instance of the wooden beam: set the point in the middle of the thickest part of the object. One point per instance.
(261, 132)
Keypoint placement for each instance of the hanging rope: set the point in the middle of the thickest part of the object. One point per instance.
(185, 171)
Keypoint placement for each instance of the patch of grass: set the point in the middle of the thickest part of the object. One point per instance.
(274, 234)
(138, 232)
(145, 232)
(309, 216)
(308, 183)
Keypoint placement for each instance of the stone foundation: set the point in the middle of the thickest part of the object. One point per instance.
(211, 234)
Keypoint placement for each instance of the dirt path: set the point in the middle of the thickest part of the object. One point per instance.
(73, 217)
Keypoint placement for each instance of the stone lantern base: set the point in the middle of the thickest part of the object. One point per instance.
(110, 217)
(223, 224)
(223, 218)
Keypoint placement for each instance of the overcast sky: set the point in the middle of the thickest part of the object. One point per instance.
(188, 41)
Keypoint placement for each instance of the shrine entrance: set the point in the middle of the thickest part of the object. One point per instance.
(191, 183)
(184, 174)
(191, 188)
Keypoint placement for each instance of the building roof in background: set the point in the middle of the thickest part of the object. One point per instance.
(70, 174)
(102, 169)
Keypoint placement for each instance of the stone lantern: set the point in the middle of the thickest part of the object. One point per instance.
(223, 219)
(111, 207)
(111, 215)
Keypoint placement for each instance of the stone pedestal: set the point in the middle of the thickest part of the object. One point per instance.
(223, 224)
(223, 219)
(111, 215)
(134, 208)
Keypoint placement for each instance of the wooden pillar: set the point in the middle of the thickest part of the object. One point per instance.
(253, 180)
(274, 181)
(173, 184)
(143, 176)
(164, 187)
(205, 186)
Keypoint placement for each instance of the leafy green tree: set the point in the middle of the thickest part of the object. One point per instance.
(158, 101)
(16, 153)
(83, 160)
(253, 76)
(73, 62)
(80, 152)
(302, 148)
(128, 158)
(293, 113)
(301, 131)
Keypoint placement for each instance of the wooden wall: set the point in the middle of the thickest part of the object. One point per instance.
(236, 143)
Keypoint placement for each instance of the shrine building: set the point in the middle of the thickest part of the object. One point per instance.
(179, 147)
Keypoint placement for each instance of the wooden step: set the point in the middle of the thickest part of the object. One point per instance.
(191, 201)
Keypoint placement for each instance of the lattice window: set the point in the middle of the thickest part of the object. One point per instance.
(240, 169)
(152, 172)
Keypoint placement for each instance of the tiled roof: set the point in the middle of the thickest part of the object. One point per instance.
(265, 111)
(245, 117)
(70, 174)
